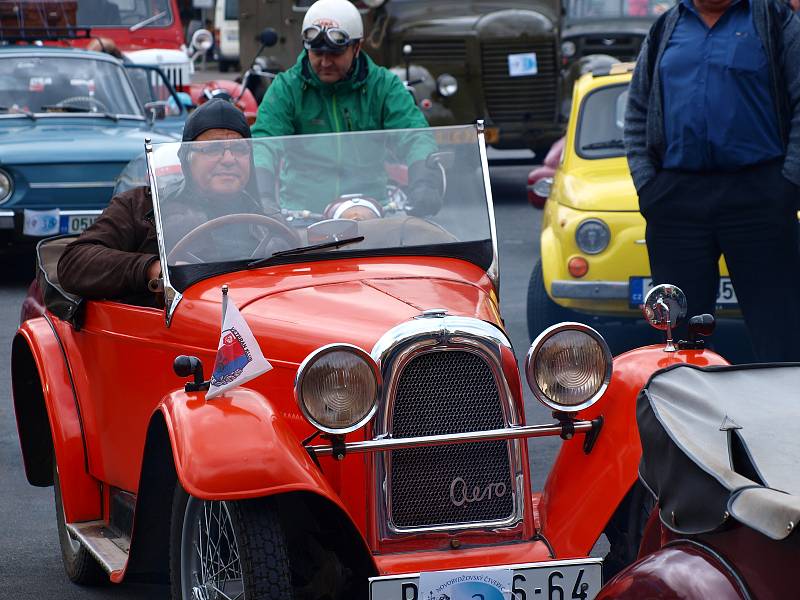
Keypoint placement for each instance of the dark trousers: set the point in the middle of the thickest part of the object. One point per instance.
(750, 217)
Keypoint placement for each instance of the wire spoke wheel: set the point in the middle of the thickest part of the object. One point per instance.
(212, 568)
(227, 550)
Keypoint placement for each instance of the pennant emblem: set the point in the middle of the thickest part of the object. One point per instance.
(239, 357)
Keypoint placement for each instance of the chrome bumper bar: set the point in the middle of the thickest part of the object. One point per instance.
(590, 290)
(565, 429)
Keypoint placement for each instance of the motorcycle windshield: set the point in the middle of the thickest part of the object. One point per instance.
(240, 203)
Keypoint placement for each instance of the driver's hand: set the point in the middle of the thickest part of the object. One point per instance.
(424, 190)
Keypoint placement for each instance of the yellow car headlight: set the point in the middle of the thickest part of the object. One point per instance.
(568, 367)
(337, 388)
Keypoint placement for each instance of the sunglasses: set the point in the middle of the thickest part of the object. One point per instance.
(217, 150)
(321, 38)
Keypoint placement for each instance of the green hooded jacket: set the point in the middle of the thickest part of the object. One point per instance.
(372, 98)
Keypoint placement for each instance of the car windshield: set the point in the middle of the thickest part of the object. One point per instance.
(600, 123)
(65, 85)
(227, 205)
(612, 9)
(124, 13)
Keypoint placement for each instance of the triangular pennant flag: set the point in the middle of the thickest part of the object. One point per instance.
(239, 357)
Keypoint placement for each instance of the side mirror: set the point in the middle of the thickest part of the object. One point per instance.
(187, 366)
(664, 307)
(157, 110)
(268, 37)
(202, 41)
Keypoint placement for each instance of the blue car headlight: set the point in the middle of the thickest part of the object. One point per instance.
(6, 186)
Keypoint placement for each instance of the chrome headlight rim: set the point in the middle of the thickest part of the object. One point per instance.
(536, 347)
(9, 184)
(302, 373)
(568, 49)
(444, 82)
(588, 222)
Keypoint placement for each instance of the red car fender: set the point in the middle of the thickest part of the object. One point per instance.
(236, 446)
(583, 490)
(684, 571)
(80, 492)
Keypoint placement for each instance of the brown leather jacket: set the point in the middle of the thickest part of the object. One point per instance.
(110, 259)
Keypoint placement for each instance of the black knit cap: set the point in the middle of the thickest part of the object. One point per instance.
(215, 114)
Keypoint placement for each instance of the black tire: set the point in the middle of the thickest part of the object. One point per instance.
(80, 566)
(224, 66)
(260, 566)
(542, 311)
(625, 529)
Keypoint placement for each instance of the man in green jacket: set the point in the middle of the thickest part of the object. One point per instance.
(335, 87)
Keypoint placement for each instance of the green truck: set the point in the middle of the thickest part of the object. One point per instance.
(497, 60)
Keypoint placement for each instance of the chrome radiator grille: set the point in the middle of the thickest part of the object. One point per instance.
(514, 99)
(444, 392)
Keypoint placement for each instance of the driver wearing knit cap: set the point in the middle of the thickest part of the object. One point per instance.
(117, 257)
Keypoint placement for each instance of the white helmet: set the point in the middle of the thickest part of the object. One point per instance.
(334, 16)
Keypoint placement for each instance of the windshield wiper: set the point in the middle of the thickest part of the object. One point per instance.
(77, 109)
(147, 21)
(604, 145)
(303, 249)
(19, 111)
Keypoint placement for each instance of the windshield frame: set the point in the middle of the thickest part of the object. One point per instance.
(483, 252)
(80, 56)
(616, 153)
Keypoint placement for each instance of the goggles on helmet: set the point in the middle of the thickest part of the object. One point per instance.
(326, 39)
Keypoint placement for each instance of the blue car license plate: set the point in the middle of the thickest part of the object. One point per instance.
(639, 286)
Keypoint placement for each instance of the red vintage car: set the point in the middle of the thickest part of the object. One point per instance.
(725, 473)
(386, 445)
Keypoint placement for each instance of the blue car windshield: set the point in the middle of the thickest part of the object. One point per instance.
(67, 85)
(124, 13)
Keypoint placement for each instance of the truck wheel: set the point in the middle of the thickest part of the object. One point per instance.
(625, 529)
(227, 550)
(80, 565)
(542, 311)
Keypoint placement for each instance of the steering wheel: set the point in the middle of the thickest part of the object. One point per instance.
(275, 226)
(83, 99)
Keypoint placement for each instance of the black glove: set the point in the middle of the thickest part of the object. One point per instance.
(424, 190)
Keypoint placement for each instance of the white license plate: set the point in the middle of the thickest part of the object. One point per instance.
(552, 580)
(639, 286)
(76, 223)
(521, 65)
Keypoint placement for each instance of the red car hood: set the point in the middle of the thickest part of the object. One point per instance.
(300, 308)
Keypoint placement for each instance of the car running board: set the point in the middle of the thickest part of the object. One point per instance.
(109, 548)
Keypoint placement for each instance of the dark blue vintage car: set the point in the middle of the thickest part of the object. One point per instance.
(70, 120)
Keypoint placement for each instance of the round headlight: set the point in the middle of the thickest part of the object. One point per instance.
(447, 85)
(568, 367)
(592, 236)
(337, 388)
(6, 186)
(568, 49)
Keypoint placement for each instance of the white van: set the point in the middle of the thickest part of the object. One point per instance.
(226, 25)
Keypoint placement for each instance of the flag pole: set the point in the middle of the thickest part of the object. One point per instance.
(224, 304)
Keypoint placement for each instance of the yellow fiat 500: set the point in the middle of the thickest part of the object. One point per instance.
(594, 261)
